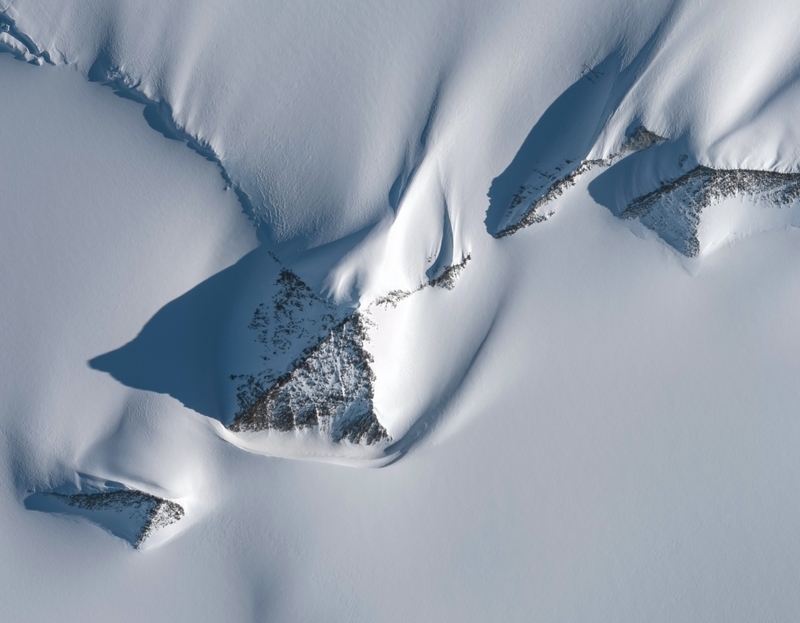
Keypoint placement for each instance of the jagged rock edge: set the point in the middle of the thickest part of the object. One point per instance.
(447, 280)
(261, 415)
(161, 514)
(641, 139)
(714, 185)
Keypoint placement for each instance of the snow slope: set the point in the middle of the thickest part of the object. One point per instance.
(586, 425)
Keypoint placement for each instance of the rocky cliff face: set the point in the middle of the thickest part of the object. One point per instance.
(328, 383)
(674, 209)
(330, 389)
(531, 203)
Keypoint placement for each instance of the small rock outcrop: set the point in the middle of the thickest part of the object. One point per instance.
(673, 210)
(127, 513)
(529, 205)
(447, 280)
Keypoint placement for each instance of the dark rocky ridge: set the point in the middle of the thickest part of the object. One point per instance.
(446, 280)
(153, 512)
(673, 210)
(537, 197)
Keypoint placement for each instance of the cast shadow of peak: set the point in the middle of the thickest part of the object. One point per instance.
(116, 522)
(181, 350)
(566, 132)
(642, 172)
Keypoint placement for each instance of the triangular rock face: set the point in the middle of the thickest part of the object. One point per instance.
(330, 389)
(673, 210)
(127, 513)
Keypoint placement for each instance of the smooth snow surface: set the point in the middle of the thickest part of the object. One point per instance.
(582, 423)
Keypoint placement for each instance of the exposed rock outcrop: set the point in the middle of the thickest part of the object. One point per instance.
(128, 513)
(674, 209)
(529, 205)
(331, 389)
(317, 372)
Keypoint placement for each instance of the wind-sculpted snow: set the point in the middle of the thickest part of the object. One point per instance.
(127, 513)
(575, 396)
(157, 112)
(675, 210)
(16, 42)
(159, 115)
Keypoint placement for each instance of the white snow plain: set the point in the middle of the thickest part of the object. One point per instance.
(589, 426)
